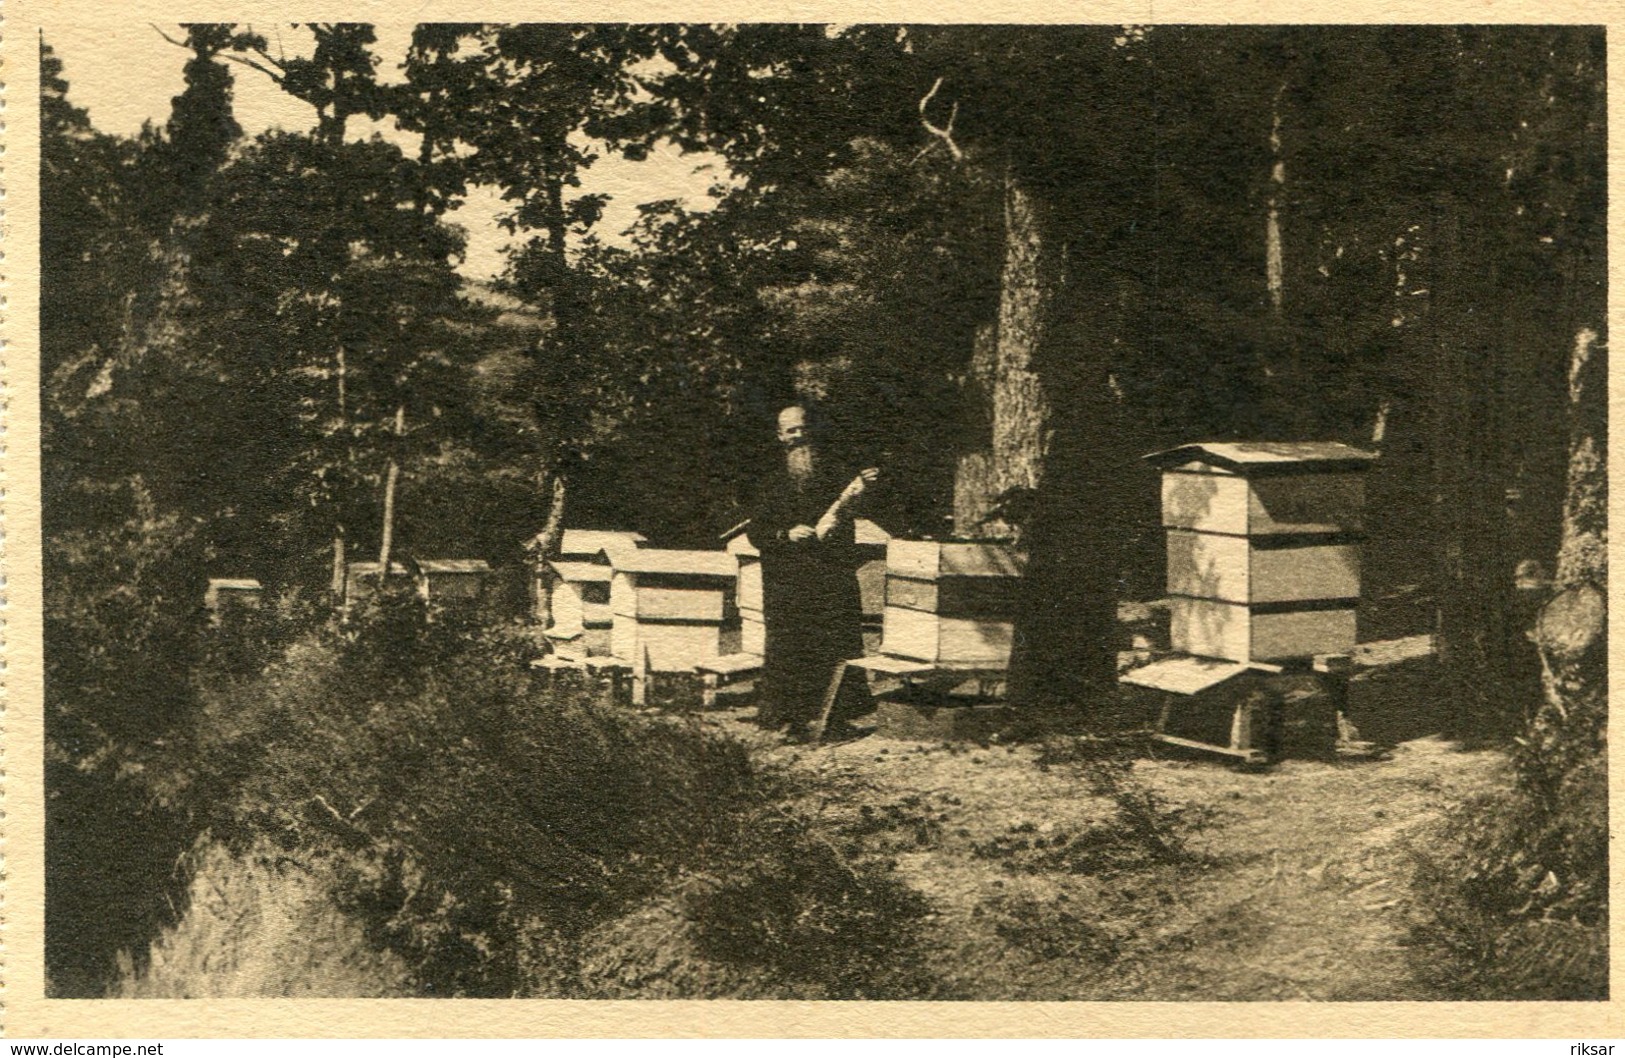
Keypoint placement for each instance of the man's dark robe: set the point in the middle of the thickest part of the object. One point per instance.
(810, 601)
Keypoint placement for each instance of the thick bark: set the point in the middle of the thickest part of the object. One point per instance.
(1034, 269)
(1066, 631)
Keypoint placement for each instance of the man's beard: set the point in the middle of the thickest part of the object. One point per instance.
(800, 461)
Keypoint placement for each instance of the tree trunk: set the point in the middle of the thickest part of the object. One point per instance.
(340, 560)
(975, 484)
(542, 549)
(1019, 435)
(339, 570)
(1065, 649)
(386, 536)
(1274, 262)
(1475, 575)
(1571, 632)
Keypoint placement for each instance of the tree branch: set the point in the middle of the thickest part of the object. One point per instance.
(945, 133)
(274, 74)
(166, 36)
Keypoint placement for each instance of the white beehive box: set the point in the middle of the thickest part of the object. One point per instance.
(752, 629)
(871, 541)
(1263, 555)
(442, 581)
(579, 595)
(951, 603)
(671, 606)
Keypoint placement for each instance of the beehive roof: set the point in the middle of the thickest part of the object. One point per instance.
(366, 569)
(591, 541)
(866, 532)
(693, 563)
(1246, 457)
(582, 571)
(234, 584)
(454, 565)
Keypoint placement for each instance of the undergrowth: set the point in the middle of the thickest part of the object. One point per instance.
(499, 841)
(1514, 895)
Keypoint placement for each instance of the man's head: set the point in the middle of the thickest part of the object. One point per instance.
(793, 427)
(795, 435)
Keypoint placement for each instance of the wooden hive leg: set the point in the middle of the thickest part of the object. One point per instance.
(708, 693)
(641, 676)
(1241, 725)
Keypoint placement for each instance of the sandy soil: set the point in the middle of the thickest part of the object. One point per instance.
(1295, 887)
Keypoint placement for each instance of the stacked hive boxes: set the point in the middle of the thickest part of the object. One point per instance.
(951, 603)
(752, 630)
(671, 607)
(580, 594)
(871, 541)
(1263, 556)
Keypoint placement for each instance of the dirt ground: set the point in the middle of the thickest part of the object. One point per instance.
(1293, 885)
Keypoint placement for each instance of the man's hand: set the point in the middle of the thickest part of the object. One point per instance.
(800, 534)
(864, 479)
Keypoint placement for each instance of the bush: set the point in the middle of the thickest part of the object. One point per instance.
(490, 835)
(1515, 895)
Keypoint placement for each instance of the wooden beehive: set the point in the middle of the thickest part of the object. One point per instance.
(1263, 547)
(228, 596)
(871, 541)
(752, 628)
(672, 607)
(443, 581)
(579, 593)
(951, 603)
(361, 579)
(452, 581)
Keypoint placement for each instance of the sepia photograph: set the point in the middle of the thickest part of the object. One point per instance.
(826, 511)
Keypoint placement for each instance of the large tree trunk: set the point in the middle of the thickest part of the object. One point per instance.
(975, 479)
(1073, 530)
(1475, 579)
(1013, 464)
(1572, 629)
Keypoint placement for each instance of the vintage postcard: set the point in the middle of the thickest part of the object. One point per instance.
(921, 520)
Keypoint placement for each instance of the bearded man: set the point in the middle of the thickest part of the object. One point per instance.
(802, 525)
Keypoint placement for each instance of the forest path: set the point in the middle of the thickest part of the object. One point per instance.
(1298, 889)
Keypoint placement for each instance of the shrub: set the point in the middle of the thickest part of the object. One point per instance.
(490, 834)
(1514, 892)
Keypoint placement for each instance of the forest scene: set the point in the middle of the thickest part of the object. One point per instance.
(317, 725)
